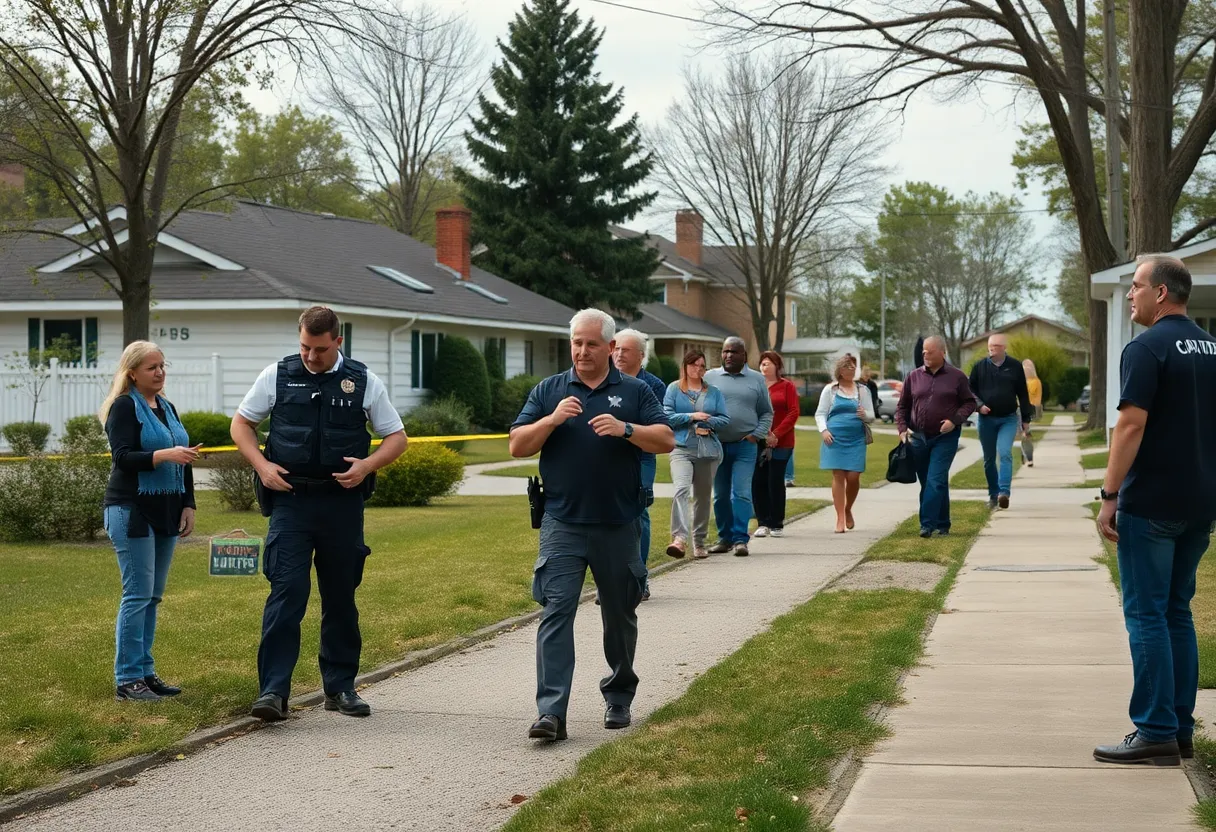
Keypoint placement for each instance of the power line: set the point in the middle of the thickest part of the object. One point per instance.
(1029, 86)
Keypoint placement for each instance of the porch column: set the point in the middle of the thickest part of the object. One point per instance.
(1116, 339)
(217, 384)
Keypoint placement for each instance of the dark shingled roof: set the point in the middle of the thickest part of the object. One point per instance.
(716, 265)
(287, 255)
(660, 321)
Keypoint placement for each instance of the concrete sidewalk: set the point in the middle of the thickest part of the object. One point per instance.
(445, 748)
(1025, 672)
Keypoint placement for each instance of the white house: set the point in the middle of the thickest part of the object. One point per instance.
(1112, 285)
(227, 289)
(818, 354)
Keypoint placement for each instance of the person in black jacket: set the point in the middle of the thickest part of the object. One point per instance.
(149, 503)
(999, 385)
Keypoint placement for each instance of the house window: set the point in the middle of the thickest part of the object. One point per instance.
(423, 348)
(559, 354)
(69, 332)
(347, 331)
(501, 343)
(528, 359)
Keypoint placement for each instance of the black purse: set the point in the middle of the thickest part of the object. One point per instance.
(901, 467)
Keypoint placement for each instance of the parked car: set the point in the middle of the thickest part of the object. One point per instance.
(1083, 402)
(888, 398)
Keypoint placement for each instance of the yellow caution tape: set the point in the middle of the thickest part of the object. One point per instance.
(224, 448)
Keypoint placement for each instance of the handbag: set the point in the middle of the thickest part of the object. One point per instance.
(869, 433)
(901, 467)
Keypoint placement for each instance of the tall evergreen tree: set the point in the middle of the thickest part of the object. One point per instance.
(557, 168)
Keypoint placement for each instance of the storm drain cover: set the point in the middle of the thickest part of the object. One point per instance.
(1047, 567)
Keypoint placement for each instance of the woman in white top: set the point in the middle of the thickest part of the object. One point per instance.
(845, 408)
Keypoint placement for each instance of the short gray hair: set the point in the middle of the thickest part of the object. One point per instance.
(941, 342)
(640, 339)
(1170, 271)
(606, 322)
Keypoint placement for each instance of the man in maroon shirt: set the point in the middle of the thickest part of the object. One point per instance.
(934, 404)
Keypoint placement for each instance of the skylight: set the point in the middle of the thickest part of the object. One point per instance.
(484, 292)
(404, 279)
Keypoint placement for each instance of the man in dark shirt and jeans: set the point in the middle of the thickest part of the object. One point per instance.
(1158, 505)
(999, 385)
(589, 424)
(934, 404)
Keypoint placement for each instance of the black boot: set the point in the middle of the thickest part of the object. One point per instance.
(1136, 751)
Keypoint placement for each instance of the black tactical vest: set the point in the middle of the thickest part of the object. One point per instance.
(318, 418)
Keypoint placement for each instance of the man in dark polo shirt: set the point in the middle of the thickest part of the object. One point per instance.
(1162, 478)
(589, 424)
(933, 405)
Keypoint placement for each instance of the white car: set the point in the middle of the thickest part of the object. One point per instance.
(888, 398)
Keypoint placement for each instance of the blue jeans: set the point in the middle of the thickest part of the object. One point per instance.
(648, 472)
(144, 565)
(933, 456)
(789, 469)
(733, 491)
(996, 438)
(1157, 564)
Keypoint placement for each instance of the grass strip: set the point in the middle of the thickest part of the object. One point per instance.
(758, 731)
(807, 473)
(1092, 461)
(1205, 759)
(1091, 439)
(972, 476)
(435, 573)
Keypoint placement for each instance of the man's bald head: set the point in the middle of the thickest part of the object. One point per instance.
(734, 354)
(998, 344)
(935, 351)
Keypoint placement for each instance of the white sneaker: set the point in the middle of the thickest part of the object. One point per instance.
(776, 533)
(761, 532)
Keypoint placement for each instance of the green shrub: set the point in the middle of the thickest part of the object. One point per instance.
(53, 499)
(494, 361)
(440, 417)
(509, 398)
(425, 471)
(207, 428)
(27, 438)
(669, 369)
(84, 435)
(232, 477)
(655, 366)
(460, 372)
(1072, 382)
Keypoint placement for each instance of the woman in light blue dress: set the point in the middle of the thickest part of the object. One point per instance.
(845, 408)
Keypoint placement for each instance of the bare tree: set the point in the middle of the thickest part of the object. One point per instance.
(1040, 48)
(770, 157)
(823, 280)
(998, 260)
(110, 80)
(401, 95)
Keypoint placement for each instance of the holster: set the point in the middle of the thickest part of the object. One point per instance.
(536, 501)
(264, 495)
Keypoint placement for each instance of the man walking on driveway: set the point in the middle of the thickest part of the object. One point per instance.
(751, 417)
(934, 404)
(1162, 478)
(588, 424)
(999, 385)
(628, 356)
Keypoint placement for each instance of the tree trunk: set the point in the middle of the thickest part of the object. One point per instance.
(137, 288)
(1151, 215)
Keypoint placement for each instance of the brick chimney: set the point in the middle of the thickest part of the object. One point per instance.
(13, 175)
(689, 234)
(452, 239)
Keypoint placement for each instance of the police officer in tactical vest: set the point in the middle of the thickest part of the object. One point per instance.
(314, 477)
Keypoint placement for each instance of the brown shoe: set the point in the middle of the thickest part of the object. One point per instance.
(675, 549)
(699, 553)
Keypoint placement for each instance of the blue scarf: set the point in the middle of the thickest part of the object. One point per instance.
(168, 478)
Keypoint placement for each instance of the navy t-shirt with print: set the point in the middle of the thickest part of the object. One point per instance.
(1169, 370)
(590, 478)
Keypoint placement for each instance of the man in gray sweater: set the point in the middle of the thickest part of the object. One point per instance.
(751, 418)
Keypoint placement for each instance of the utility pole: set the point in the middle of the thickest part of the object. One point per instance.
(882, 329)
(1114, 154)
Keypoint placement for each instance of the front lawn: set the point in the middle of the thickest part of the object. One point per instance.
(973, 475)
(1091, 461)
(806, 463)
(755, 734)
(434, 573)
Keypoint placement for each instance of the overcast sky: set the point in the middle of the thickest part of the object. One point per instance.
(961, 146)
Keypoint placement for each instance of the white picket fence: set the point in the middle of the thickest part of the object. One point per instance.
(70, 390)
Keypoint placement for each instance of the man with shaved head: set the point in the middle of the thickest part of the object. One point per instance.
(999, 385)
(934, 404)
(751, 417)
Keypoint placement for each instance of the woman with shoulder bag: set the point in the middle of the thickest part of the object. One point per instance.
(696, 411)
(843, 418)
(149, 503)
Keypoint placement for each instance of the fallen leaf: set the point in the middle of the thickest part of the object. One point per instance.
(517, 799)
(124, 783)
(180, 757)
(761, 757)
(794, 798)
(741, 814)
(333, 754)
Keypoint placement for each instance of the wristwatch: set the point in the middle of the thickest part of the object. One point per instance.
(628, 430)
(1107, 495)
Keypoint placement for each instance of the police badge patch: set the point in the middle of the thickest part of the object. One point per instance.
(348, 385)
